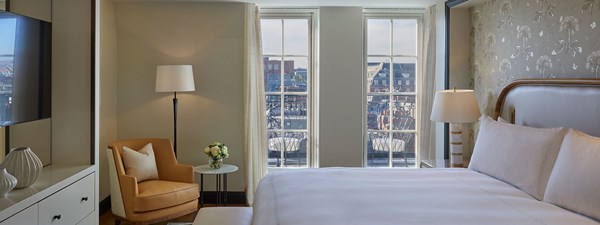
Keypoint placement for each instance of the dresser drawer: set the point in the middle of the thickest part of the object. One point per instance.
(89, 220)
(27, 216)
(70, 205)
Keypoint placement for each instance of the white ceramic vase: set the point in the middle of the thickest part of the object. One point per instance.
(7, 182)
(24, 165)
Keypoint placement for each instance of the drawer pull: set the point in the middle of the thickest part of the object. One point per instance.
(84, 199)
(56, 217)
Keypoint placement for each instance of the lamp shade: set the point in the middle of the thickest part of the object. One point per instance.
(455, 106)
(174, 78)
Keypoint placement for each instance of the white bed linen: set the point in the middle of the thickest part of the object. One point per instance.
(353, 196)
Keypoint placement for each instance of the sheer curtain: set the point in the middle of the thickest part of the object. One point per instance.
(427, 81)
(255, 131)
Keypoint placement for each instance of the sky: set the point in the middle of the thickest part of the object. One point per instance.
(296, 35)
(7, 42)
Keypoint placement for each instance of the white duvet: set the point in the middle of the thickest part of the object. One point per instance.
(353, 196)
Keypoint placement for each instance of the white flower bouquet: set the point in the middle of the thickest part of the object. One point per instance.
(216, 151)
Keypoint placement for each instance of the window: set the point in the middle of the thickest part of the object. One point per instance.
(392, 43)
(287, 41)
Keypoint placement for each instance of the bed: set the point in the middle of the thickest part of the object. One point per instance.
(528, 186)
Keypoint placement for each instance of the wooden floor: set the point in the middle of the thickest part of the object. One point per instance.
(107, 218)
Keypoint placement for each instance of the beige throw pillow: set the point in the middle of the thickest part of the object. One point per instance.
(140, 164)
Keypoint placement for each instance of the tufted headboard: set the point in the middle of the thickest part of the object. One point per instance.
(571, 103)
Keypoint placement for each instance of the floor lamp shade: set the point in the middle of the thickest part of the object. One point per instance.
(455, 107)
(174, 78)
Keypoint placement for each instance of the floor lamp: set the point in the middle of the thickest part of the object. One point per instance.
(455, 107)
(174, 78)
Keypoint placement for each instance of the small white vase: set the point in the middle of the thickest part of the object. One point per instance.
(24, 165)
(7, 182)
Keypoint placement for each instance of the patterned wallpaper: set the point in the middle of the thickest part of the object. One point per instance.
(515, 39)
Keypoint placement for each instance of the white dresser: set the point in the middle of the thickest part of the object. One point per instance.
(62, 195)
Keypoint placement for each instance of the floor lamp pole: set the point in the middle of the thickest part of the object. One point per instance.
(175, 103)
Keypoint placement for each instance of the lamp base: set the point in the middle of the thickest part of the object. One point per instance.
(456, 145)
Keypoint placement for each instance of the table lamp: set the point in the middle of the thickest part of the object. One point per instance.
(174, 78)
(456, 107)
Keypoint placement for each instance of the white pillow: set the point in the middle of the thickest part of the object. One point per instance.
(574, 182)
(140, 164)
(518, 155)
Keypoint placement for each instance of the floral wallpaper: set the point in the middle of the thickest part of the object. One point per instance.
(515, 39)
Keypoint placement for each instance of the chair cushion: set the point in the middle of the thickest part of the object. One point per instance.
(160, 194)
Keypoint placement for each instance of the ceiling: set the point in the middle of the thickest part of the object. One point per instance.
(283, 3)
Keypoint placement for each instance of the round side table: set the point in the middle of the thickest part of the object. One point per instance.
(221, 175)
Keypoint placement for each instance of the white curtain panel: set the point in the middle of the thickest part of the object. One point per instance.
(427, 81)
(255, 125)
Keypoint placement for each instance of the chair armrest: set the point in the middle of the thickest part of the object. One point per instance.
(178, 173)
(129, 187)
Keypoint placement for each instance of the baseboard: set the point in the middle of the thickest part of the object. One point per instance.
(104, 205)
(233, 197)
(210, 197)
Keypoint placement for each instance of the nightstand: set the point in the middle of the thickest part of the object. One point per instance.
(439, 163)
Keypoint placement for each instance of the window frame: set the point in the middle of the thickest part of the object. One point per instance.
(312, 92)
(417, 14)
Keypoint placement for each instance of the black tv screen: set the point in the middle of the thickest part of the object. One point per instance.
(25, 69)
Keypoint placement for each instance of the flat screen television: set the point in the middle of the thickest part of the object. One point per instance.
(25, 69)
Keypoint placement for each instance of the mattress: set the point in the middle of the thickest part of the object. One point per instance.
(361, 196)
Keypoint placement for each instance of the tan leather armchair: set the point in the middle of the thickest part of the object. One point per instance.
(175, 193)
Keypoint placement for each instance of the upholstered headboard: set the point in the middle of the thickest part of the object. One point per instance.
(571, 103)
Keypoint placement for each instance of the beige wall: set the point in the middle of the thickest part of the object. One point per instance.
(40, 9)
(210, 37)
(460, 69)
(71, 79)
(341, 110)
(108, 90)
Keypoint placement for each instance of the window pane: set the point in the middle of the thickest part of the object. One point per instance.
(274, 147)
(272, 68)
(405, 74)
(378, 112)
(295, 37)
(378, 74)
(288, 150)
(273, 112)
(403, 149)
(295, 112)
(295, 149)
(378, 149)
(378, 36)
(405, 37)
(404, 108)
(295, 74)
(271, 33)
